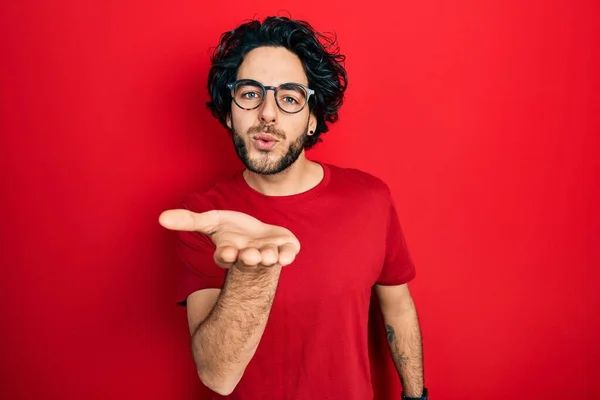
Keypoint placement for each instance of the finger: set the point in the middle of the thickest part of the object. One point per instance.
(277, 240)
(186, 220)
(287, 254)
(269, 254)
(225, 256)
(249, 256)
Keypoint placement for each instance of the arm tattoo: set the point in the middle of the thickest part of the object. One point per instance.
(407, 356)
(400, 360)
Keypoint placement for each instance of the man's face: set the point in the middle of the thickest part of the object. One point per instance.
(266, 139)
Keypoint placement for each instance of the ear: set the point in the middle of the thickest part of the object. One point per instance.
(312, 122)
(228, 120)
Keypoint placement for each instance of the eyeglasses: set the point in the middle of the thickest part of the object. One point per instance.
(249, 94)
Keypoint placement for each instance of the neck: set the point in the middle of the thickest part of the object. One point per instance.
(299, 177)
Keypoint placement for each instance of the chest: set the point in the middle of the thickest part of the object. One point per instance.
(340, 253)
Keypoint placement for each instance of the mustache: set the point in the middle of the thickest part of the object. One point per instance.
(270, 129)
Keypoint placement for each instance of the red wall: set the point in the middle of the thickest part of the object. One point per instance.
(483, 117)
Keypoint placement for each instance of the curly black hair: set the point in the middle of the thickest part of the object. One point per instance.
(319, 54)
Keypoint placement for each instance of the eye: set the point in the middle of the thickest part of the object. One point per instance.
(289, 100)
(250, 95)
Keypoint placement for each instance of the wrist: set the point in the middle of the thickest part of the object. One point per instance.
(415, 396)
(255, 271)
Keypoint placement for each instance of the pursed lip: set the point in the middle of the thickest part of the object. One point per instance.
(265, 137)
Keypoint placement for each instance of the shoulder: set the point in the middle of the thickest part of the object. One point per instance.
(211, 196)
(359, 179)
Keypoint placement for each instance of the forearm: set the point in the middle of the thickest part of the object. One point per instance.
(404, 340)
(226, 340)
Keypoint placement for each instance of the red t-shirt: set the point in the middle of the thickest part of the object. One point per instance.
(316, 341)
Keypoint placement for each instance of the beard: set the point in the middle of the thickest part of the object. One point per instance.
(264, 164)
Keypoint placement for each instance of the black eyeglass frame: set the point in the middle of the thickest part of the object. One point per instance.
(275, 89)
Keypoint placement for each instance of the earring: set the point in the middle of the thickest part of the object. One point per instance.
(310, 133)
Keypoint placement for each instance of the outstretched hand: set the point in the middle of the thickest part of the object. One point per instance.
(238, 237)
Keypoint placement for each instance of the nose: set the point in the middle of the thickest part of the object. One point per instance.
(268, 109)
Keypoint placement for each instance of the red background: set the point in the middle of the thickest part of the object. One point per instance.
(483, 117)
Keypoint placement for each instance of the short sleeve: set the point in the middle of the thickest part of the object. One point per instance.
(398, 266)
(197, 269)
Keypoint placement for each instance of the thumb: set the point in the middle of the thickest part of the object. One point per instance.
(186, 220)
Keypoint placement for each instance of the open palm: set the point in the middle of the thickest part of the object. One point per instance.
(238, 237)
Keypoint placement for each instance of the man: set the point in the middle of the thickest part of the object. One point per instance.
(281, 259)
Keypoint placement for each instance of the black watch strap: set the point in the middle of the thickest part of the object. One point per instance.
(424, 396)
